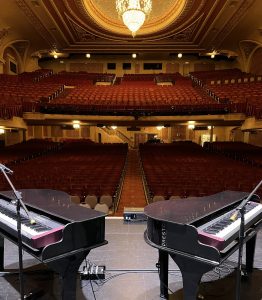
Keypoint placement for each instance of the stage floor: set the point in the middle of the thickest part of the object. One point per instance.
(131, 272)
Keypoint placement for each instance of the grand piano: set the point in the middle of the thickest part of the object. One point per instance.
(198, 234)
(61, 237)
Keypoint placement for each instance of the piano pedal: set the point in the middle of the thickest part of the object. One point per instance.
(201, 297)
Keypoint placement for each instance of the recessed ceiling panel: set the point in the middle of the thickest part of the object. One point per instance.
(162, 15)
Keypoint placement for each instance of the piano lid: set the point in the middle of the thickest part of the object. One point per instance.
(187, 210)
(55, 203)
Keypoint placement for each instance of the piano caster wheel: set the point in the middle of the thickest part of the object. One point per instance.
(201, 297)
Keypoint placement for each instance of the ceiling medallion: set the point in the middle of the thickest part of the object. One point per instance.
(133, 13)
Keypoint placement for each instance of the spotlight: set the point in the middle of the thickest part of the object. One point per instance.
(134, 55)
(113, 127)
(179, 55)
(88, 55)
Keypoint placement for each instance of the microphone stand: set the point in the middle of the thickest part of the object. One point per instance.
(242, 209)
(19, 203)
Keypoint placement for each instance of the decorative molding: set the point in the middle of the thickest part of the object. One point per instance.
(3, 33)
(186, 35)
(247, 47)
(181, 21)
(35, 21)
(81, 34)
(229, 26)
(21, 47)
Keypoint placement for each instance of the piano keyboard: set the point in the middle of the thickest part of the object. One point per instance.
(37, 235)
(221, 231)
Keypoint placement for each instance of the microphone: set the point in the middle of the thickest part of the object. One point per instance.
(19, 198)
(32, 222)
(4, 168)
(234, 216)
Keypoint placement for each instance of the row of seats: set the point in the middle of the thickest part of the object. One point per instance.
(79, 168)
(186, 169)
(19, 94)
(249, 93)
(69, 78)
(232, 85)
(26, 150)
(225, 76)
(237, 150)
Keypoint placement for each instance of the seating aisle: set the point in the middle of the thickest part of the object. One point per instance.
(133, 192)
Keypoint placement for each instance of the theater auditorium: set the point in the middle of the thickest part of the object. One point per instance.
(130, 149)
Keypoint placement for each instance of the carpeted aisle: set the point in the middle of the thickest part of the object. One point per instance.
(133, 192)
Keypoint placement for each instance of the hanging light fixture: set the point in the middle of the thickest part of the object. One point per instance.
(133, 13)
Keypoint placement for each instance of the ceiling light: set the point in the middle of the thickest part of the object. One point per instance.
(212, 56)
(2, 131)
(159, 127)
(191, 124)
(179, 55)
(133, 13)
(76, 124)
(88, 55)
(134, 55)
(113, 127)
(55, 56)
(209, 127)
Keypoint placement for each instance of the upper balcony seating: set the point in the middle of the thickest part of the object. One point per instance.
(137, 93)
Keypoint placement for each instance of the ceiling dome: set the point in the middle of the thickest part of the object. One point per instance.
(104, 13)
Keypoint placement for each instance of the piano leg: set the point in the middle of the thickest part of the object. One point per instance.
(67, 267)
(250, 252)
(163, 274)
(2, 243)
(192, 272)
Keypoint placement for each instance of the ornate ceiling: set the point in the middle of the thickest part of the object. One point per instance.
(79, 26)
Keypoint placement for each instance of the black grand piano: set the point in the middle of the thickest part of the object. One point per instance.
(62, 236)
(198, 235)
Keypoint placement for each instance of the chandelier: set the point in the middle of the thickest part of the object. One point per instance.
(133, 13)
